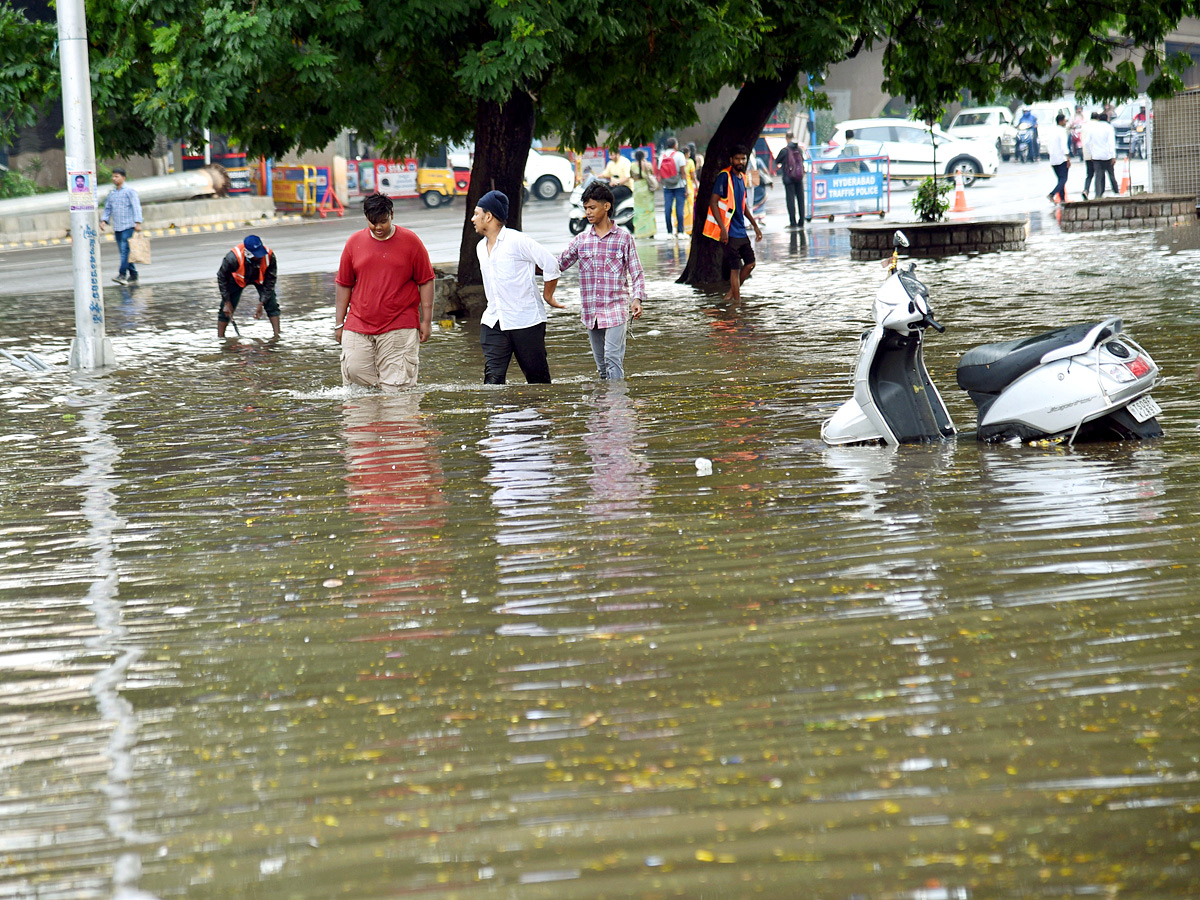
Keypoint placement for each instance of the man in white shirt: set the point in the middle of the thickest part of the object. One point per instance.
(1060, 158)
(1102, 141)
(514, 322)
(1085, 149)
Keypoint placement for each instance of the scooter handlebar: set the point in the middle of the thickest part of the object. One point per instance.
(932, 323)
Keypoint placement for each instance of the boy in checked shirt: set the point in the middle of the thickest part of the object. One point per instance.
(610, 275)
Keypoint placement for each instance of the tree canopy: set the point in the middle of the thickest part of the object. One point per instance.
(25, 82)
(292, 74)
(935, 49)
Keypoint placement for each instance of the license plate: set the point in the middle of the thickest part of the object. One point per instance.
(1144, 408)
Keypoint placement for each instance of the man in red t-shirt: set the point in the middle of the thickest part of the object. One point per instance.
(384, 304)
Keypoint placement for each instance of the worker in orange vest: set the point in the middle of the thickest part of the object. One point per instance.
(728, 213)
(250, 262)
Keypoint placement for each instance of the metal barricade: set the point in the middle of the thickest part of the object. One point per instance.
(845, 177)
(295, 188)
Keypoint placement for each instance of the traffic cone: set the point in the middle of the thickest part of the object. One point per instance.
(960, 194)
(1125, 178)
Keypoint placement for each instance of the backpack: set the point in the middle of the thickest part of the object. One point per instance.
(793, 166)
(667, 169)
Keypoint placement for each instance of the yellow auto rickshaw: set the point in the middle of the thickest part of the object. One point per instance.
(439, 181)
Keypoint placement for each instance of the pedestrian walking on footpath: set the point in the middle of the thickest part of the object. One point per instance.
(612, 285)
(514, 323)
(672, 175)
(250, 262)
(1060, 158)
(123, 211)
(383, 310)
(728, 213)
(1103, 141)
(790, 161)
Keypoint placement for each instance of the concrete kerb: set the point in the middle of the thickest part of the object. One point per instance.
(161, 220)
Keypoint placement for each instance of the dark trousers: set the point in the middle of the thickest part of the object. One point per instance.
(1091, 173)
(527, 344)
(1104, 169)
(793, 196)
(673, 200)
(1060, 189)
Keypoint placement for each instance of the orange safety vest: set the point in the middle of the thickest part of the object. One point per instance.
(712, 228)
(239, 274)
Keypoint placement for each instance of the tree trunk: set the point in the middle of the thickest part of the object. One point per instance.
(503, 134)
(742, 124)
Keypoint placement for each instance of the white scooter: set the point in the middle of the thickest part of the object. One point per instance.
(622, 215)
(1082, 382)
(894, 401)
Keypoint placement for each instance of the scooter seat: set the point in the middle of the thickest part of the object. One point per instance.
(990, 368)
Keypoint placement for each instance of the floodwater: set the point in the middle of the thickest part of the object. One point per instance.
(263, 638)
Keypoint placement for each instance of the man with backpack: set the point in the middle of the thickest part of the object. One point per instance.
(790, 161)
(672, 179)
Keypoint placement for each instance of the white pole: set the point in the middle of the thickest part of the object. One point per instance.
(90, 349)
(207, 148)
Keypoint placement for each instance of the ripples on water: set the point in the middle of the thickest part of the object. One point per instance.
(267, 638)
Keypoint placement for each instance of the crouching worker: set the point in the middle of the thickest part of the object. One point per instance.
(248, 263)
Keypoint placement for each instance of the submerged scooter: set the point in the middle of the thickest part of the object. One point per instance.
(895, 400)
(1082, 382)
(1088, 382)
(622, 215)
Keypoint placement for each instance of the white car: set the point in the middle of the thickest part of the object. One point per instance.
(546, 175)
(993, 124)
(912, 150)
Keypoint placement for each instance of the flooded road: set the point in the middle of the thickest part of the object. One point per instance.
(264, 638)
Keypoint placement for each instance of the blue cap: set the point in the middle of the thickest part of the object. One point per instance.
(496, 203)
(254, 246)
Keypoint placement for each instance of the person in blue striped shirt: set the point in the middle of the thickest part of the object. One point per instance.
(124, 209)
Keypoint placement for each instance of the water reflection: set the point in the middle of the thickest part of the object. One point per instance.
(520, 450)
(394, 483)
(619, 479)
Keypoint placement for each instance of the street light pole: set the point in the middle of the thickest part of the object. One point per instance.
(90, 349)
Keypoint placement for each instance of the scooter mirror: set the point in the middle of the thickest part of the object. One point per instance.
(899, 240)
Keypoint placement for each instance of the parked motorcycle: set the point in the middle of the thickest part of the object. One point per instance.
(1082, 382)
(1075, 140)
(895, 400)
(1137, 140)
(622, 214)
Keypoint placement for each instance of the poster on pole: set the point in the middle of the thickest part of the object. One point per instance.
(82, 188)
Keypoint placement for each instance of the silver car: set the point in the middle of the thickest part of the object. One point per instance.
(912, 149)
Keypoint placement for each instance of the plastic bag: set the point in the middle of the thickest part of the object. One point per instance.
(139, 248)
